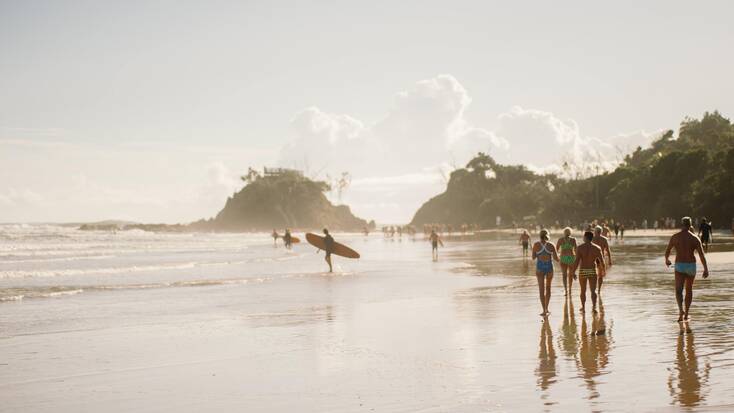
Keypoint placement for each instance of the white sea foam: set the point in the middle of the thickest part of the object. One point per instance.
(95, 271)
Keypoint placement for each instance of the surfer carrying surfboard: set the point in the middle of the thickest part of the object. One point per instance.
(328, 247)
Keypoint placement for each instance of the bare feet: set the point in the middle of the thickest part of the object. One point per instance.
(593, 310)
(582, 309)
(686, 317)
(680, 317)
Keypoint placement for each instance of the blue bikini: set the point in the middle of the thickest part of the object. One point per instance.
(544, 267)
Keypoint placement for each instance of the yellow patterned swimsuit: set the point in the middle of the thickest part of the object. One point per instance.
(587, 272)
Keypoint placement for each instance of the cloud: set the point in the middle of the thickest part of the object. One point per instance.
(545, 142)
(403, 158)
(13, 197)
(220, 184)
(538, 138)
(424, 124)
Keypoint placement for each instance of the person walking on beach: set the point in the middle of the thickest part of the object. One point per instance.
(275, 237)
(685, 243)
(288, 238)
(567, 247)
(603, 243)
(588, 257)
(705, 233)
(544, 253)
(435, 240)
(525, 241)
(328, 248)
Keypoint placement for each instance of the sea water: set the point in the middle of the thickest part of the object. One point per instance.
(131, 320)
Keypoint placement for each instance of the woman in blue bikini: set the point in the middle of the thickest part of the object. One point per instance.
(544, 253)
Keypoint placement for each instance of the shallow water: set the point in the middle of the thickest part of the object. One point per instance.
(134, 320)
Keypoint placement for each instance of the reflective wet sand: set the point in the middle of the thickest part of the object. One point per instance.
(391, 332)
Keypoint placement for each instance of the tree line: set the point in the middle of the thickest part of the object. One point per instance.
(688, 174)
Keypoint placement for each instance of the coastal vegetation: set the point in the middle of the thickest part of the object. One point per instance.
(279, 199)
(688, 174)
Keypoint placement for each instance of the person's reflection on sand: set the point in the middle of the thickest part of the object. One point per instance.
(546, 370)
(594, 351)
(569, 340)
(685, 380)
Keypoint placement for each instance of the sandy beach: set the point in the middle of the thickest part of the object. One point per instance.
(205, 322)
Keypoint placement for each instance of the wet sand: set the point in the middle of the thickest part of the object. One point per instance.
(393, 332)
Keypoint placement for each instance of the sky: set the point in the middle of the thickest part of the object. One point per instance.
(150, 111)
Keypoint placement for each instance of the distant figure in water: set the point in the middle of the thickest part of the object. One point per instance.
(287, 238)
(567, 247)
(588, 256)
(685, 243)
(275, 237)
(603, 243)
(435, 240)
(704, 232)
(525, 241)
(621, 230)
(544, 252)
(328, 248)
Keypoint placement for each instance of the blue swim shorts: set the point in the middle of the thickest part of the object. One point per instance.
(687, 268)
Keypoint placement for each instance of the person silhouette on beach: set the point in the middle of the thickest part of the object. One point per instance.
(288, 238)
(704, 233)
(544, 253)
(328, 248)
(566, 246)
(435, 240)
(525, 241)
(686, 244)
(603, 243)
(275, 237)
(588, 257)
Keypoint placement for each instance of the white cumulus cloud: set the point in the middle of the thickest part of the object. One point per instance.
(402, 159)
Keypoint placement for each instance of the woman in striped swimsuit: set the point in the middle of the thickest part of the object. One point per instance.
(544, 253)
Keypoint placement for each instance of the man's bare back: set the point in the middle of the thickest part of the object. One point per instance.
(685, 244)
(603, 243)
(587, 255)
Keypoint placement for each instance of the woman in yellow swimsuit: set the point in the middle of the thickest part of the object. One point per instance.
(566, 246)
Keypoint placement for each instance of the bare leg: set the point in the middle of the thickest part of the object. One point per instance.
(328, 261)
(564, 272)
(599, 282)
(541, 291)
(582, 286)
(592, 282)
(570, 280)
(679, 278)
(548, 280)
(689, 295)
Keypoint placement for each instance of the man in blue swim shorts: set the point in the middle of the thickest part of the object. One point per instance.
(686, 244)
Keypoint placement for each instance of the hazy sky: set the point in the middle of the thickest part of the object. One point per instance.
(150, 111)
